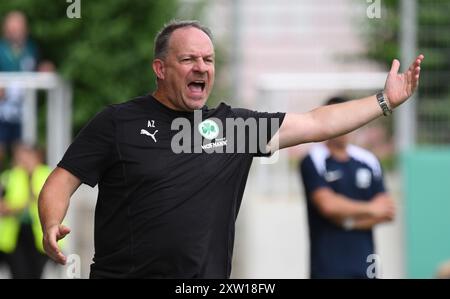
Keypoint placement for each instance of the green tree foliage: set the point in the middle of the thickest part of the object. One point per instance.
(106, 54)
(433, 36)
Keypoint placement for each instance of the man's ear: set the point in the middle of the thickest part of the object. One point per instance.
(158, 68)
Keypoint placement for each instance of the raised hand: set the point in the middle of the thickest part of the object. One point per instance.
(399, 87)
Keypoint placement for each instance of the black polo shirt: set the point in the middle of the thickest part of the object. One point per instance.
(162, 213)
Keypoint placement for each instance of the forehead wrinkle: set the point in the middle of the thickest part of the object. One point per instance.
(184, 44)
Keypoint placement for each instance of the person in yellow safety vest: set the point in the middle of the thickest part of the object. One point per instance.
(20, 229)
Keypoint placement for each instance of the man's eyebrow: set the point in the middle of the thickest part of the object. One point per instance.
(195, 55)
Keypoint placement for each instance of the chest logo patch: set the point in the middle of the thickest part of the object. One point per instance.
(208, 129)
(363, 178)
(331, 176)
(150, 124)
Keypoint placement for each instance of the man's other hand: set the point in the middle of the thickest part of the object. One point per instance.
(51, 237)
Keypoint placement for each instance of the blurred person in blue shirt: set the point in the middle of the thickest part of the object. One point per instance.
(17, 54)
(346, 198)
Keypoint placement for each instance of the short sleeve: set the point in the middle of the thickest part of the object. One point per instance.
(267, 125)
(312, 180)
(378, 182)
(92, 150)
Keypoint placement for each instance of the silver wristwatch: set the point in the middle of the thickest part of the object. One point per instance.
(383, 102)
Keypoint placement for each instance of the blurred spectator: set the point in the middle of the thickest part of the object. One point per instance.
(18, 53)
(2, 254)
(20, 230)
(346, 198)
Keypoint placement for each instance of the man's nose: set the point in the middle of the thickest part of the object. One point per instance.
(200, 66)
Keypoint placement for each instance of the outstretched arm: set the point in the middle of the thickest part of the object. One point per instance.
(330, 121)
(53, 204)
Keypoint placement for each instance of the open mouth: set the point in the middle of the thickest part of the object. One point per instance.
(197, 86)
